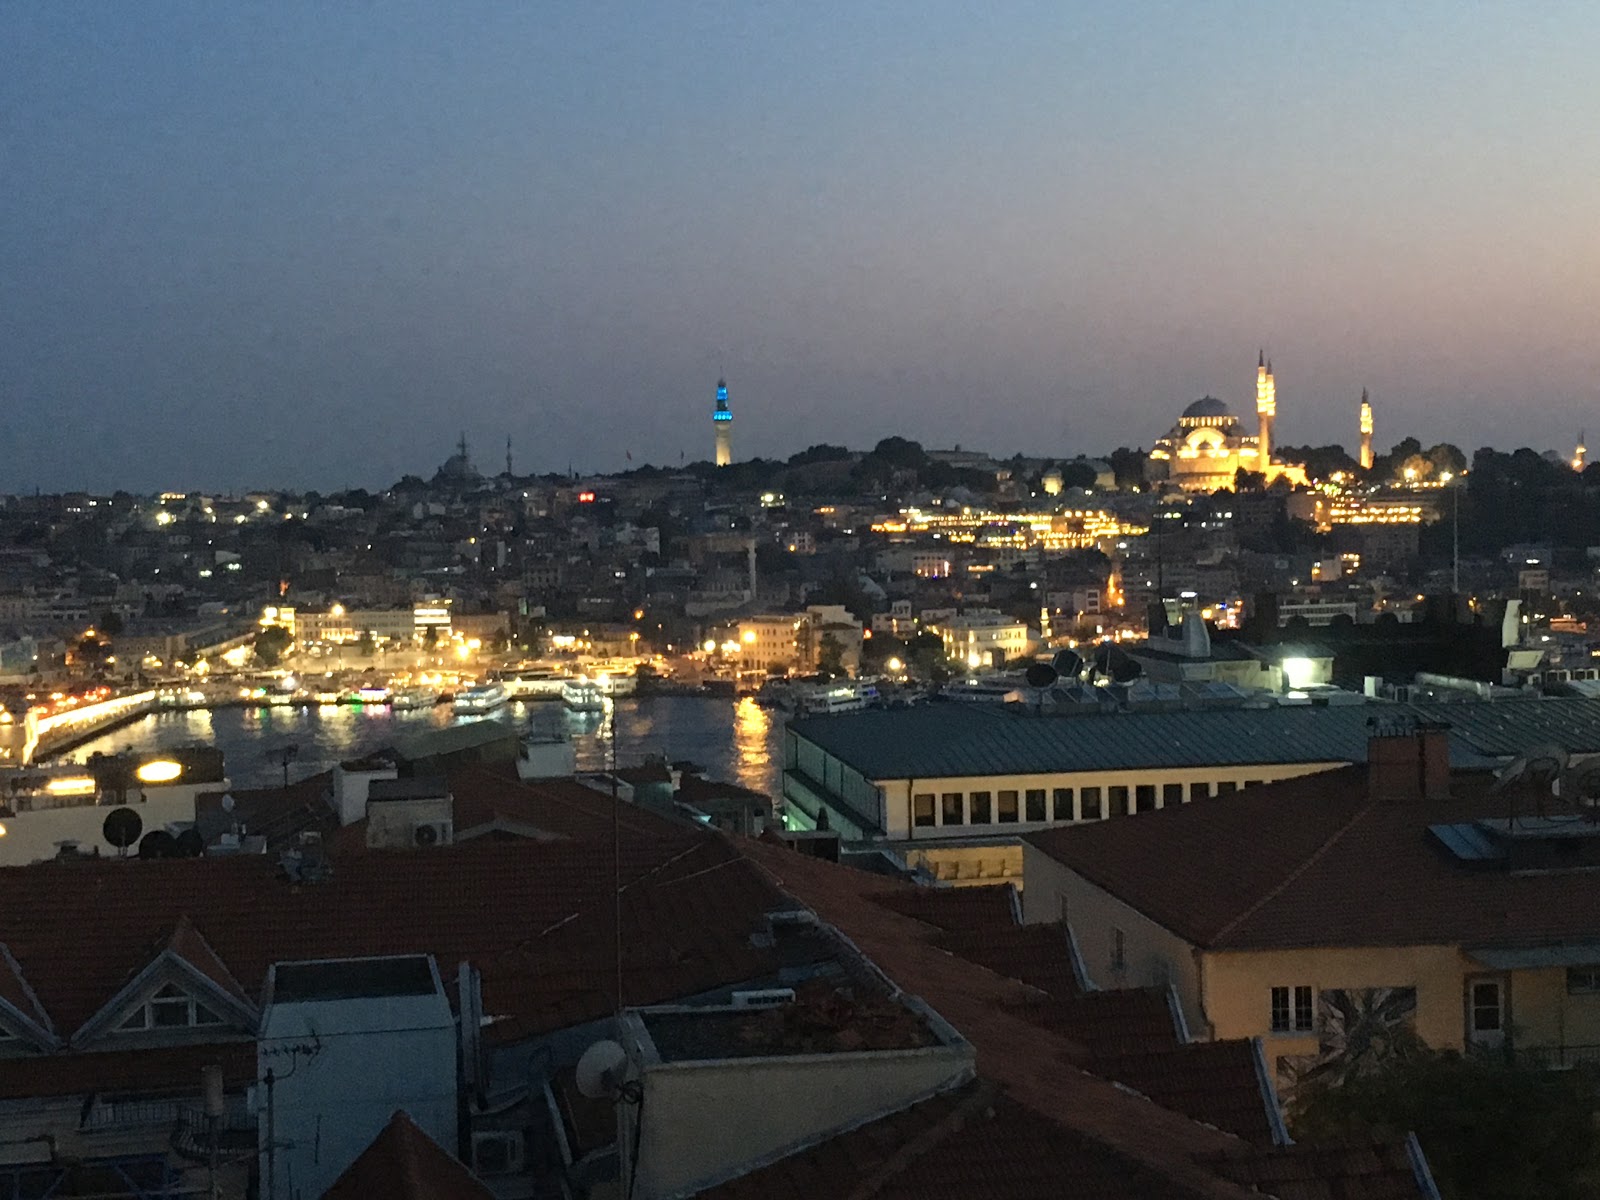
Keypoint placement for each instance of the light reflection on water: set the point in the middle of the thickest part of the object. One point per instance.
(735, 741)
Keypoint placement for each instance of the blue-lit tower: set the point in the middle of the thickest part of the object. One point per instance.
(722, 419)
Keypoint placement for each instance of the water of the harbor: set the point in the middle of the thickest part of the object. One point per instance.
(732, 740)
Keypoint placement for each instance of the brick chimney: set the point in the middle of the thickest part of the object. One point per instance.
(1409, 765)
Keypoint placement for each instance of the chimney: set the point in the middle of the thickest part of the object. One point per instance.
(1409, 765)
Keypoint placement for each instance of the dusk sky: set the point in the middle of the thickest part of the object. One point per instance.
(305, 245)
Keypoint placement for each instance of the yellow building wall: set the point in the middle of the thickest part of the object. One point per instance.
(1237, 987)
(1543, 1015)
(969, 866)
(897, 793)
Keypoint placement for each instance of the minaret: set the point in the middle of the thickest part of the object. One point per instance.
(1579, 453)
(722, 419)
(1366, 432)
(1266, 408)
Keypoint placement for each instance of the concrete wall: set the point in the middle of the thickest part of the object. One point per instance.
(704, 1121)
(31, 836)
(1151, 955)
(343, 1068)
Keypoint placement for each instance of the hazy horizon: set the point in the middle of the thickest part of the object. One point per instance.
(304, 247)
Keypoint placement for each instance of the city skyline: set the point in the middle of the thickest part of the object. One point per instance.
(303, 248)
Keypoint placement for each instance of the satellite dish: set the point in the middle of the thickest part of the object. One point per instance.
(158, 843)
(122, 827)
(1040, 675)
(599, 1073)
(1580, 784)
(228, 802)
(1068, 663)
(1542, 764)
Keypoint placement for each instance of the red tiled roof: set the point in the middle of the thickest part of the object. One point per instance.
(1215, 1082)
(190, 945)
(1043, 1071)
(991, 906)
(486, 800)
(535, 918)
(172, 1069)
(404, 1163)
(277, 814)
(1123, 1021)
(1276, 866)
(1372, 1171)
(972, 1143)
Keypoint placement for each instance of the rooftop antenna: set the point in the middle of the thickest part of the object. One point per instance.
(508, 455)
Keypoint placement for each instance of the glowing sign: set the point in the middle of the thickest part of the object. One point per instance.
(722, 414)
(585, 497)
(162, 770)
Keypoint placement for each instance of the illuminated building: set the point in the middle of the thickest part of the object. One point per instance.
(1208, 447)
(1366, 432)
(1579, 453)
(722, 420)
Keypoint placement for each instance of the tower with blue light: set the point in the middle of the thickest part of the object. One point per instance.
(722, 420)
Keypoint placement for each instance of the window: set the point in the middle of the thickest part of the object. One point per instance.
(1583, 980)
(1035, 799)
(1006, 808)
(1118, 796)
(1144, 797)
(1292, 1010)
(1063, 804)
(1227, 787)
(1252, 783)
(169, 1008)
(980, 809)
(952, 808)
(1486, 1013)
(1199, 791)
(922, 809)
(1091, 803)
(1171, 794)
(1119, 950)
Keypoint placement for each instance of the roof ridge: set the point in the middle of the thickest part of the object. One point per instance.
(1311, 860)
(909, 1152)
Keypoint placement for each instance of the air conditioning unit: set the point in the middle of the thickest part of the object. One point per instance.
(431, 833)
(497, 1152)
(763, 998)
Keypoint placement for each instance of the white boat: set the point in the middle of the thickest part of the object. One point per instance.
(534, 685)
(829, 698)
(583, 695)
(408, 699)
(475, 701)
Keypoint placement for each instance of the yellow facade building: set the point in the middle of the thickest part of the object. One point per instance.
(1345, 910)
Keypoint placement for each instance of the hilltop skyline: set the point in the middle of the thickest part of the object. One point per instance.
(304, 247)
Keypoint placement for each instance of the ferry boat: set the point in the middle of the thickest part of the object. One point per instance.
(476, 701)
(583, 696)
(534, 684)
(409, 699)
(844, 696)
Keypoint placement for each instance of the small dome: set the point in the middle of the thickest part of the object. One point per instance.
(1207, 408)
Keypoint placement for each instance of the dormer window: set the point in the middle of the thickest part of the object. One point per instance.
(169, 1008)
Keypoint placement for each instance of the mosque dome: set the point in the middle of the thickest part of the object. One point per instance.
(1208, 409)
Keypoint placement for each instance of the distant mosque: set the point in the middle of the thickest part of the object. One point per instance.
(1207, 448)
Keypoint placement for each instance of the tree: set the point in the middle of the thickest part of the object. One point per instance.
(820, 453)
(1492, 1129)
(271, 644)
(111, 622)
(1127, 466)
(830, 656)
(366, 644)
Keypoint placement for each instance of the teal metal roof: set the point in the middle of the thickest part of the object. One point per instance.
(955, 740)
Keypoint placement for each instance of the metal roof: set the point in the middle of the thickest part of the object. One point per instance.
(955, 740)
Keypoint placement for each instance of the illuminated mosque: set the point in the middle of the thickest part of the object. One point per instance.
(1208, 446)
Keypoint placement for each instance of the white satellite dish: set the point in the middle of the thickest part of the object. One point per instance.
(600, 1070)
(228, 802)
